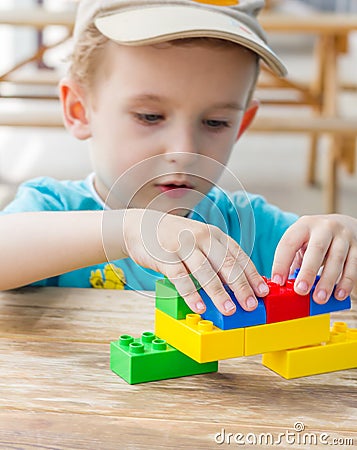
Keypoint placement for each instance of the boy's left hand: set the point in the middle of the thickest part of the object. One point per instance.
(314, 241)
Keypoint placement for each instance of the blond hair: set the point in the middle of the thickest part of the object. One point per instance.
(87, 55)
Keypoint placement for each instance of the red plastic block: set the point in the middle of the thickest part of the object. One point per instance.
(282, 303)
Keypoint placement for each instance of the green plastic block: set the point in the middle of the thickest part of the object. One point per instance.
(169, 301)
(138, 360)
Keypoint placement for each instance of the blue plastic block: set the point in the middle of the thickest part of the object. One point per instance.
(294, 276)
(332, 305)
(240, 319)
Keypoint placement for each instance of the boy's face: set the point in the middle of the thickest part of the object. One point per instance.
(163, 121)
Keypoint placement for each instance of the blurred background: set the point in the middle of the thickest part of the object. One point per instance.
(299, 154)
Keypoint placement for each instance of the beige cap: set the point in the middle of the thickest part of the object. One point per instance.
(144, 22)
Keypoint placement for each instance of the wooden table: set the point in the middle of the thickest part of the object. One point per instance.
(57, 391)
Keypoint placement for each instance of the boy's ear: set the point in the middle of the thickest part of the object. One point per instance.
(74, 109)
(248, 117)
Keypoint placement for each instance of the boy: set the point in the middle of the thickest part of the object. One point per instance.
(162, 89)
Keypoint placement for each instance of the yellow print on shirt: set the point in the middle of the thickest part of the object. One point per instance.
(113, 278)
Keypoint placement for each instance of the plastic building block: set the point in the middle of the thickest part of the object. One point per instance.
(138, 360)
(199, 339)
(338, 353)
(295, 333)
(169, 300)
(332, 305)
(239, 319)
(283, 303)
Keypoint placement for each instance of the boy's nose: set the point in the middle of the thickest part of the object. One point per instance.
(182, 159)
(182, 149)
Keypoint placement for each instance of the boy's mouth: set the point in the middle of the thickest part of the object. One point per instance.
(174, 189)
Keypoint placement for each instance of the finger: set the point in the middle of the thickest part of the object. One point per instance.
(314, 257)
(242, 264)
(349, 276)
(198, 264)
(333, 267)
(296, 263)
(179, 276)
(230, 271)
(294, 239)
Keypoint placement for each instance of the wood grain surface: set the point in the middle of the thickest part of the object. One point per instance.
(57, 391)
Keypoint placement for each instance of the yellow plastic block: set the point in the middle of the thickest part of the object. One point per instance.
(199, 339)
(272, 337)
(339, 353)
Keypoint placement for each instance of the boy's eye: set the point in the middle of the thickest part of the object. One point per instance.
(149, 118)
(216, 124)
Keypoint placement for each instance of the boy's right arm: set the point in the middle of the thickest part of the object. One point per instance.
(40, 245)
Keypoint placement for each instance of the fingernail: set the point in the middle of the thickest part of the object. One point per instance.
(263, 289)
(200, 306)
(229, 306)
(322, 295)
(302, 287)
(251, 302)
(341, 294)
(278, 279)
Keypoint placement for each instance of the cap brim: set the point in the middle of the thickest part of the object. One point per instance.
(157, 24)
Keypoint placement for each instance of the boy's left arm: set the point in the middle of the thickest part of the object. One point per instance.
(314, 241)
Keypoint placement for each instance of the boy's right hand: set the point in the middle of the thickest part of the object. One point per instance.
(177, 246)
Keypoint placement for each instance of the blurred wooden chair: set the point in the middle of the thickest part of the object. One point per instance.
(320, 94)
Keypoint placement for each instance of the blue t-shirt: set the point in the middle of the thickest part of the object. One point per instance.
(256, 225)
